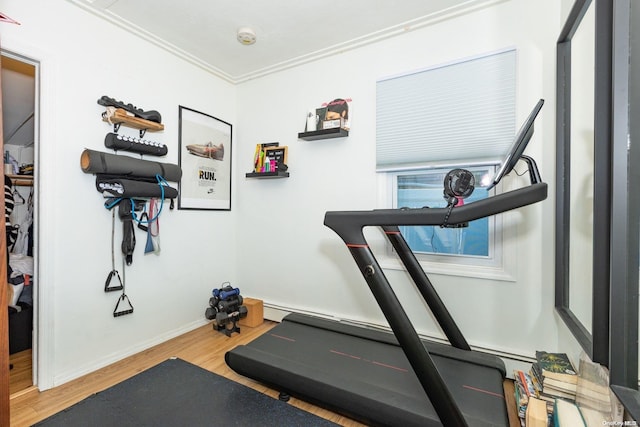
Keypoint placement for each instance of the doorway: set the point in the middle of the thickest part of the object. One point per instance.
(20, 138)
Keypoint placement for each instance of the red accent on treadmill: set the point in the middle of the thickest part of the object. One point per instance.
(483, 391)
(373, 362)
(283, 338)
(345, 354)
(389, 366)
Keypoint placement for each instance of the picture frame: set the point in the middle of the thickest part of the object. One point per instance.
(205, 147)
(279, 154)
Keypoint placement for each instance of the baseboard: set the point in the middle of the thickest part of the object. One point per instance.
(77, 372)
(512, 361)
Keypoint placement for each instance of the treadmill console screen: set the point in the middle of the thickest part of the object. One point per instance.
(517, 148)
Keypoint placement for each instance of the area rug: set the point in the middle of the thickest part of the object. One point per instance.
(178, 393)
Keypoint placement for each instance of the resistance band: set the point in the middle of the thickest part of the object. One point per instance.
(117, 311)
(113, 273)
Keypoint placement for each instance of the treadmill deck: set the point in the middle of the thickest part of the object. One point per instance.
(364, 374)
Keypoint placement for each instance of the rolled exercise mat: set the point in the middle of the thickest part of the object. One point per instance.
(95, 162)
(119, 187)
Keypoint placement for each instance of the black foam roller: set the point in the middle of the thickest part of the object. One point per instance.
(136, 145)
(132, 188)
(97, 162)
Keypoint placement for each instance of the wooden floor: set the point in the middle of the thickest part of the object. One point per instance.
(20, 376)
(203, 347)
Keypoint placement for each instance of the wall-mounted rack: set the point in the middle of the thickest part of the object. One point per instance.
(120, 117)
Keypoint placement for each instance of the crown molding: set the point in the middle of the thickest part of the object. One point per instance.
(97, 8)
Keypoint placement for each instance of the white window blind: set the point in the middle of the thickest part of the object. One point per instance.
(460, 111)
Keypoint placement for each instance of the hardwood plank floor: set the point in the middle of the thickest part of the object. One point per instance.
(203, 347)
(20, 376)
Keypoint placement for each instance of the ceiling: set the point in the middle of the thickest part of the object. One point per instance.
(289, 32)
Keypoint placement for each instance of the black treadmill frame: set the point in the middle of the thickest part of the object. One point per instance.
(349, 225)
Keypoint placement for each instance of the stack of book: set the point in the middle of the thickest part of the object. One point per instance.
(552, 393)
(532, 411)
(554, 376)
(524, 391)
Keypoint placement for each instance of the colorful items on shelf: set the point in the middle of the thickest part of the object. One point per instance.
(269, 158)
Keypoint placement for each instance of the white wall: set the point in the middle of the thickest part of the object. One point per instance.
(82, 58)
(290, 259)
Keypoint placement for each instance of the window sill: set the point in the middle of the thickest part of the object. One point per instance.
(451, 269)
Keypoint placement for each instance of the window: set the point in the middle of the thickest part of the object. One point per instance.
(424, 188)
(459, 115)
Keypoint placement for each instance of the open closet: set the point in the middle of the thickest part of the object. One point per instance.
(19, 136)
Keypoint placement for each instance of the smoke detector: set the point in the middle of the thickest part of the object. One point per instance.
(246, 36)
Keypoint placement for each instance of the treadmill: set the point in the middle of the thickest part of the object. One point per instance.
(382, 378)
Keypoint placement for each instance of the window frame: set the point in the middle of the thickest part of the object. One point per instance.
(498, 265)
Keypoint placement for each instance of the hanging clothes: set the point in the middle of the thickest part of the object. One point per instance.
(9, 204)
(24, 241)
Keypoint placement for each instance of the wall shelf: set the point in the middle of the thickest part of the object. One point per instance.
(271, 175)
(323, 134)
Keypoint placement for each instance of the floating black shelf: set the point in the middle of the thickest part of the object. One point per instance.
(267, 175)
(324, 134)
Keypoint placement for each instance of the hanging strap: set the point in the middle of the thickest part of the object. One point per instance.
(128, 230)
(128, 240)
(113, 273)
(154, 228)
(148, 248)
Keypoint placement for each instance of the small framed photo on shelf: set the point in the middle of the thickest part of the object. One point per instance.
(277, 155)
(331, 115)
(338, 109)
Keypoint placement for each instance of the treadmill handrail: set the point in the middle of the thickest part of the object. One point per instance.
(348, 224)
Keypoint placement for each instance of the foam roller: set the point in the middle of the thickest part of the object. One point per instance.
(97, 162)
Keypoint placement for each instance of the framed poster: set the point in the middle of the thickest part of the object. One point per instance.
(205, 159)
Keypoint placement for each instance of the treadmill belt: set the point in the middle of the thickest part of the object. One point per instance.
(368, 380)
